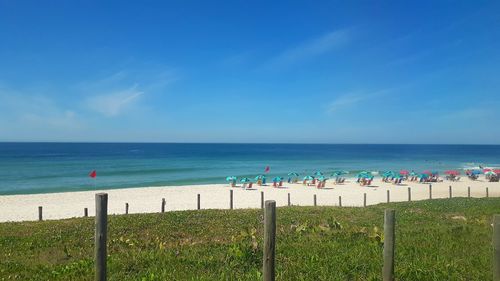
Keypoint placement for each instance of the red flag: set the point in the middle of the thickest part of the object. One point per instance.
(93, 174)
(267, 169)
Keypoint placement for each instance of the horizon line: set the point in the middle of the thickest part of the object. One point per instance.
(236, 143)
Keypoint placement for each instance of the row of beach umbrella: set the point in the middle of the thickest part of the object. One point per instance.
(369, 175)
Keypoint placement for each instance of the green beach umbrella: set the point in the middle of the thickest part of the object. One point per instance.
(308, 178)
(293, 174)
(260, 177)
(318, 173)
(277, 179)
(231, 178)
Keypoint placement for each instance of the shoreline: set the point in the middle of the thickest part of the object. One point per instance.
(24, 207)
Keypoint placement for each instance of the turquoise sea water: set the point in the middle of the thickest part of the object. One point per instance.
(54, 167)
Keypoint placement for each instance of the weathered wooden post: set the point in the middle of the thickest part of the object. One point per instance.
(388, 196)
(315, 203)
(231, 199)
(487, 193)
(289, 201)
(430, 191)
(269, 240)
(496, 247)
(163, 204)
(198, 203)
(409, 194)
(364, 199)
(101, 233)
(468, 191)
(389, 245)
(340, 201)
(40, 216)
(126, 208)
(450, 192)
(262, 199)
(85, 212)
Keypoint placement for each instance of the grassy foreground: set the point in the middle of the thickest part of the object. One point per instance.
(435, 240)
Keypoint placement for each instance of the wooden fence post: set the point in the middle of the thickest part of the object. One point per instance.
(340, 201)
(388, 196)
(430, 191)
(101, 233)
(468, 191)
(409, 194)
(163, 204)
(389, 245)
(231, 199)
(198, 205)
(269, 240)
(289, 201)
(126, 208)
(450, 192)
(315, 203)
(40, 216)
(85, 212)
(364, 199)
(496, 247)
(262, 200)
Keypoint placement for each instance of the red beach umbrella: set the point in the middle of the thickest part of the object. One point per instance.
(427, 172)
(486, 170)
(496, 171)
(404, 172)
(452, 172)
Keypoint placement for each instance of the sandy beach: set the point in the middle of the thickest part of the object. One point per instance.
(216, 196)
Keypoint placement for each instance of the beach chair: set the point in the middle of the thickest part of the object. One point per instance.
(281, 183)
(250, 185)
(274, 184)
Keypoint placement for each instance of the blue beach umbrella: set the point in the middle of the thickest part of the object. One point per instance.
(260, 177)
(308, 178)
(476, 172)
(244, 180)
(293, 174)
(277, 179)
(231, 178)
(322, 178)
(318, 173)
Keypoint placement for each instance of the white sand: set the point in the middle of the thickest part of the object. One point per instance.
(216, 196)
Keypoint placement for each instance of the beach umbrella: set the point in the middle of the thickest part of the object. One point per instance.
(339, 173)
(389, 174)
(230, 178)
(364, 174)
(486, 170)
(293, 174)
(245, 180)
(412, 174)
(496, 171)
(318, 173)
(277, 179)
(427, 172)
(260, 177)
(490, 173)
(452, 172)
(476, 172)
(424, 176)
(308, 178)
(322, 178)
(404, 172)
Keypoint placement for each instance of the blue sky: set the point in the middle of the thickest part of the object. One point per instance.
(250, 71)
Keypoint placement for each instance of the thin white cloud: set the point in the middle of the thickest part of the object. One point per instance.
(312, 48)
(114, 103)
(348, 100)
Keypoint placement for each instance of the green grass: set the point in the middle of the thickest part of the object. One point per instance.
(435, 240)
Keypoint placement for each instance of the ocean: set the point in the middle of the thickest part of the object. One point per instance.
(60, 167)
